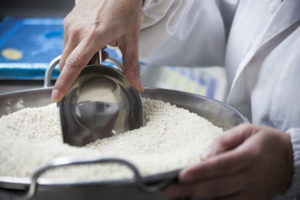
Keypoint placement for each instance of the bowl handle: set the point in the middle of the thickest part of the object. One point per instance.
(49, 70)
(62, 162)
(55, 61)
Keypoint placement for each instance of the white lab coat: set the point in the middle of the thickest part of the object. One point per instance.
(258, 42)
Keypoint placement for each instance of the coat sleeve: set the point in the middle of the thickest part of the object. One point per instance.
(185, 32)
(294, 188)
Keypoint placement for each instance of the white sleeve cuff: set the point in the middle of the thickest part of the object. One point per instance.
(294, 189)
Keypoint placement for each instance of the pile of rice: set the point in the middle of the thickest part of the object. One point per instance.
(171, 138)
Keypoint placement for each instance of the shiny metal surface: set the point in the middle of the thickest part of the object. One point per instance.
(63, 162)
(49, 70)
(220, 114)
(100, 103)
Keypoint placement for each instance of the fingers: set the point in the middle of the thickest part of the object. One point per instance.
(219, 165)
(129, 49)
(218, 187)
(71, 40)
(97, 20)
(74, 63)
(226, 163)
(69, 47)
(242, 172)
(229, 140)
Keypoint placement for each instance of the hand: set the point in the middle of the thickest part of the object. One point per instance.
(89, 27)
(247, 162)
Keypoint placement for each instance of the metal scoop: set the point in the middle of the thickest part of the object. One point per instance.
(100, 103)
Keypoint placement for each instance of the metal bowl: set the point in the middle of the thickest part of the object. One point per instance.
(146, 188)
(220, 114)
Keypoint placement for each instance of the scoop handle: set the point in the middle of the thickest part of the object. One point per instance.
(96, 59)
(55, 61)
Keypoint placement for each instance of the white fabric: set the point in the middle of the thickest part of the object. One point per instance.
(258, 42)
(177, 27)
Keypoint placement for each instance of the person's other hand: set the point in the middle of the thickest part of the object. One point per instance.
(88, 28)
(247, 162)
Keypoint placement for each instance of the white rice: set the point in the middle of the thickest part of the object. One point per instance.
(172, 138)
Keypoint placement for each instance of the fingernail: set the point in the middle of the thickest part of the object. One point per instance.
(208, 153)
(55, 95)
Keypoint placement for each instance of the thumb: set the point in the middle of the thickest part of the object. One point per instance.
(229, 140)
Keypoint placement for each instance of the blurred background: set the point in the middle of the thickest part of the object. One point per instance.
(35, 8)
(12, 12)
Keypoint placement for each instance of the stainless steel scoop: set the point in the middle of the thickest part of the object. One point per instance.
(100, 103)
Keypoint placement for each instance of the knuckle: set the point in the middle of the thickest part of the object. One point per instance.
(131, 72)
(248, 129)
(73, 63)
(74, 30)
(75, 35)
(97, 29)
(66, 23)
(135, 67)
(246, 126)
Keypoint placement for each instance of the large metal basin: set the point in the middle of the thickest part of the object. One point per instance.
(139, 188)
